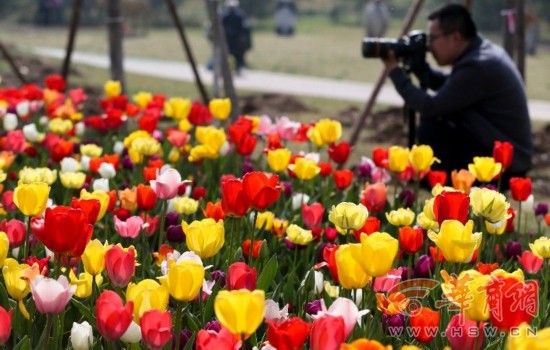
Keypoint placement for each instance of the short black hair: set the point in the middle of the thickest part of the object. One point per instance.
(455, 17)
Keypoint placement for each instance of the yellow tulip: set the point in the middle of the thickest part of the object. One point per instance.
(496, 228)
(240, 311)
(147, 295)
(422, 157)
(278, 159)
(60, 126)
(91, 150)
(298, 235)
(72, 180)
(517, 274)
(177, 108)
(17, 287)
(485, 168)
(31, 199)
(348, 217)
(112, 88)
(398, 159)
(325, 132)
(4, 247)
(101, 196)
(400, 217)
(83, 283)
(524, 338)
(186, 205)
(143, 98)
(489, 204)
(184, 279)
(93, 257)
(147, 146)
(30, 175)
(264, 221)
(351, 274)
(279, 227)
(468, 291)
(305, 169)
(129, 140)
(462, 180)
(185, 125)
(200, 152)
(541, 247)
(255, 122)
(174, 155)
(135, 156)
(205, 237)
(220, 108)
(426, 218)
(381, 250)
(211, 136)
(456, 241)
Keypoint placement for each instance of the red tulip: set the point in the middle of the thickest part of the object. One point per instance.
(328, 333)
(329, 255)
(261, 190)
(241, 276)
(326, 168)
(463, 333)
(66, 231)
(239, 129)
(510, 223)
(222, 340)
(146, 197)
(255, 248)
(55, 82)
(411, 239)
(113, 317)
(43, 264)
(339, 152)
(199, 114)
(380, 157)
(288, 334)
(511, 302)
(61, 150)
(374, 196)
(214, 211)
(90, 208)
(487, 268)
(7, 201)
(530, 262)
(156, 328)
(451, 206)
(437, 177)
(120, 265)
(198, 193)
(342, 178)
(503, 153)
(424, 324)
(521, 188)
(312, 215)
(5, 325)
(436, 254)
(15, 230)
(247, 145)
(372, 224)
(234, 201)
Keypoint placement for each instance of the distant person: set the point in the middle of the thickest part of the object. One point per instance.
(285, 17)
(237, 32)
(481, 101)
(377, 18)
(531, 32)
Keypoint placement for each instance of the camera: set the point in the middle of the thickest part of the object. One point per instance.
(411, 48)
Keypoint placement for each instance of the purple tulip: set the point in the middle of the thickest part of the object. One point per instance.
(313, 307)
(219, 276)
(174, 234)
(185, 335)
(513, 249)
(407, 198)
(541, 209)
(393, 325)
(172, 218)
(424, 267)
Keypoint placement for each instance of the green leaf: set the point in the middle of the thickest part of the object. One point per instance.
(84, 310)
(4, 299)
(189, 345)
(24, 344)
(209, 307)
(194, 323)
(497, 344)
(267, 274)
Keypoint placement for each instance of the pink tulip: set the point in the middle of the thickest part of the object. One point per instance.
(462, 333)
(7, 201)
(346, 309)
(5, 325)
(16, 231)
(530, 262)
(166, 185)
(51, 296)
(156, 328)
(120, 265)
(129, 228)
(312, 214)
(177, 138)
(387, 282)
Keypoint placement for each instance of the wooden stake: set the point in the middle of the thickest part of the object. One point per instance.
(12, 64)
(115, 19)
(75, 19)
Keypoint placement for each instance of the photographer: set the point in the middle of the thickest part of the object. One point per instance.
(481, 101)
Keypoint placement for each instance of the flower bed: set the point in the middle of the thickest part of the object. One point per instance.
(207, 233)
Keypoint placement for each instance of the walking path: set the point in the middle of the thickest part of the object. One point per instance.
(262, 81)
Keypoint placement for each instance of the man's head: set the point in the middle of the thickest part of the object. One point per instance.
(450, 31)
(232, 3)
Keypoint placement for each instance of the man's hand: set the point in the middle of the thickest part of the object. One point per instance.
(391, 62)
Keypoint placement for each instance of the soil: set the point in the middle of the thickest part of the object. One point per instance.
(386, 126)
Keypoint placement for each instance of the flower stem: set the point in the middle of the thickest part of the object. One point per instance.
(178, 323)
(251, 248)
(49, 319)
(163, 209)
(27, 248)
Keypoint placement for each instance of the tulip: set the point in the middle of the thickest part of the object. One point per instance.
(4, 247)
(93, 257)
(312, 215)
(411, 239)
(489, 204)
(278, 159)
(51, 296)
(5, 325)
(220, 108)
(374, 196)
(462, 180)
(234, 201)
(400, 217)
(339, 152)
(525, 338)
(425, 267)
(240, 311)
(361, 344)
(398, 159)
(381, 248)
(425, 324)
(128, 198)
(205, 237)
(184, 279)
(156, 328)
(288, 334)
(456, 241)
(166, 184)
(348, 217)
(264, 220)
(120, 265)
(503, 153)
(304, 169)
(146, 197)
(464, 333)
(81, 336)
(421, 158)
(437, 177)
(83, 283)
(241, 276)
(113, 317)
(327, 333)
(16, 286)
(31, 199)
(530, 262)
(60, 221)
(350, 272)
(29, 176)
(343, 178)
(451, 206)
(345, 308)
(372, 224)
(130, 228)
(222, 340)
(15, 230)
(146, 295)
(260, 189)
(325, 132)
(521, 188)
(72, 180)
(485, 168)
(90, 208)
(298, 235)
(468, 291)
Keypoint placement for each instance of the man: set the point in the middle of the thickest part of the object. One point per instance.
(237, 32)
(481, 101)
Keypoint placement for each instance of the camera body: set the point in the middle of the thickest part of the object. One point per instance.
(411, 48)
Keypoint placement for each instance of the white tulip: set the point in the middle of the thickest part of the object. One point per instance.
(298, 199)
(85, 162)
(23, 108)
(81, 336)
(10, 122)
(118, 148)
(79, 129)
(107, 170)
(132, 334)
(101, 185)
(31, 133)
(44, 120)
(70, 165)
(224, 149)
